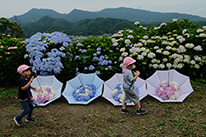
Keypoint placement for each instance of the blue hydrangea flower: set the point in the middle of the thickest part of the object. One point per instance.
(79, 44)
(95, 58)
(110, 67)
(76, 57)
(84, 51)
(105, 62)
(98, 49)
(91, 67)
(101, 58)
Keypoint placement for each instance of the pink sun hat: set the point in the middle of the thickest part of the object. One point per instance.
(127, 61)
(23, 67)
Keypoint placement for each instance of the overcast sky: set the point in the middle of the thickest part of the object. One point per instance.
(9, 8)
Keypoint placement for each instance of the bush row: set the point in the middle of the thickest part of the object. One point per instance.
(179, 45)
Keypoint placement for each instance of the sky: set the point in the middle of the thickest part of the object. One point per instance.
(9, 8)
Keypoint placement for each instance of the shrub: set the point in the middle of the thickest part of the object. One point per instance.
(12, 52)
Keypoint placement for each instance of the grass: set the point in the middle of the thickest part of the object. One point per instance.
(101, 118)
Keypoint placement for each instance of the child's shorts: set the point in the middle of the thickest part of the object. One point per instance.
(131, 94)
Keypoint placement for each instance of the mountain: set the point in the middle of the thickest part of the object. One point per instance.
(36, 14)
(46, 24)
(97, 26)
(143, 16)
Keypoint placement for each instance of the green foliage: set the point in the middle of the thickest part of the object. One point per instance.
(6, 93)
(85, 27)
(11, 28)
(12, 51)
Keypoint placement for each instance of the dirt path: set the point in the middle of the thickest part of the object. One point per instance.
(101, 118)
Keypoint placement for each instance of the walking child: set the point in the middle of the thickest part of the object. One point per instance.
(24, 95)
(128, 86)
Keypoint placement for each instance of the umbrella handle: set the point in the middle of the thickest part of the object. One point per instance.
(168, 76)
(38, 81)
(80, 81)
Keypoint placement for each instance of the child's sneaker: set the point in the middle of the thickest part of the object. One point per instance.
(125, 111)
(30, 119)
(18, 122)
(141, 111)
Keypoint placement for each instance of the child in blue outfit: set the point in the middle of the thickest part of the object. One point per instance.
(24, 94)
(128, 86)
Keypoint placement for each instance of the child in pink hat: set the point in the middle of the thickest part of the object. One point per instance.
(128, 86)
(24, 94)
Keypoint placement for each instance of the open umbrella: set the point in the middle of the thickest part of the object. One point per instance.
(83, 88)
(166, 94)
(110, 85)
(49, 89)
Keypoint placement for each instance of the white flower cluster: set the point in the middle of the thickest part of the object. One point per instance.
(151, 55)
(189, 45)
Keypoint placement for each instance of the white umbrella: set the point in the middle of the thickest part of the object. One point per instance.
(80, 81)
(172, 76)
(47, 81)
(110, 85)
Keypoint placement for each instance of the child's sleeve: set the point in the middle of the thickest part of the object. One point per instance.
(129, 76)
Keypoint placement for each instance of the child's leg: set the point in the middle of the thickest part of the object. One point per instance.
(124, 106)
(25, 106)
(138, 106)
(31, 110)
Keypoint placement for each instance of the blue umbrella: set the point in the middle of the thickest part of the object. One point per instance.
(83, 89)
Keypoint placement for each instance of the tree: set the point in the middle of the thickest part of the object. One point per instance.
(11, 28)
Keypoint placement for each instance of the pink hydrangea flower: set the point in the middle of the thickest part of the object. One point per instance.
(48, 90)
(165, 90)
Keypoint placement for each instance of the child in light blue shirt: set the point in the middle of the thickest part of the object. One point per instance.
(128, 86)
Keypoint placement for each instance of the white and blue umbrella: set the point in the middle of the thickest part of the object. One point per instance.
(51, 81)
(172, 76)
(117, 79)
(81, 81)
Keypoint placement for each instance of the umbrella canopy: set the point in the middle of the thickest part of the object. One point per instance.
(110, 85)
(80, 81)
(172, 76)
(49, 83)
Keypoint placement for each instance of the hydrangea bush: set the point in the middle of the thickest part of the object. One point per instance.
(12, 52)
(178, 44)
(93, 55)
(45, 52)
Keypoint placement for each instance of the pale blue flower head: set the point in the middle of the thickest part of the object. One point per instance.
(98, 49)
(84, 51)
(91, 67)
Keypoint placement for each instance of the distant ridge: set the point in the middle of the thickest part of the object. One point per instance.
(35, 14)
(143, 16)
(97, 26)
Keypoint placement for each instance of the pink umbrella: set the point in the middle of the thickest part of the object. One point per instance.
(110, 85)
